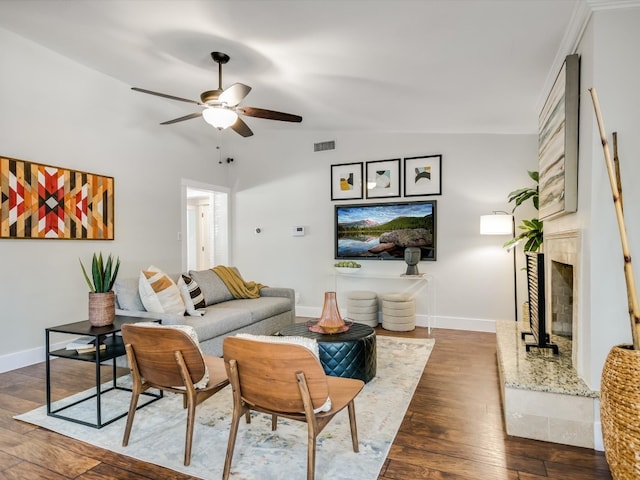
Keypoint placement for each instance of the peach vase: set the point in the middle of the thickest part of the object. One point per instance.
(330, 320)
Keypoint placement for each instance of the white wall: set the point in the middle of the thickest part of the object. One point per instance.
(609, 65)
(279, 182)
(55, 112)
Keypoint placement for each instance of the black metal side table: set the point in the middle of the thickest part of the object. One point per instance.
(115, 348)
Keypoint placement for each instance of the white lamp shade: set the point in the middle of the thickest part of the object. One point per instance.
(220, 118)
(496, 224)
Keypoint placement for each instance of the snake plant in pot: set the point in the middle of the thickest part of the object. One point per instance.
(102, 306)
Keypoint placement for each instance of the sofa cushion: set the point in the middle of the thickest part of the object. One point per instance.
(218, 321)
(127, 294)
(213, 288)
(258, 308)
(191, 295)
(159, 294)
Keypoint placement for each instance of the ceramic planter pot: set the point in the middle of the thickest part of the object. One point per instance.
(102, 308)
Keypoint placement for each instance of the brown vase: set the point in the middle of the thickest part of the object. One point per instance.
(102, 308)
(620, 411)
(330, 320)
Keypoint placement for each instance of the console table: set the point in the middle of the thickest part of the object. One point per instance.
(421, 287)
(115, 348)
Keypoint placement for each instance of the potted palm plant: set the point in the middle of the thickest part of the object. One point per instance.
(102, 306)
(531, 233)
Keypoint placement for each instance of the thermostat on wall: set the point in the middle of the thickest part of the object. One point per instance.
(297, 231)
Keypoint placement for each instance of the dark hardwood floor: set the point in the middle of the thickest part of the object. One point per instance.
(452, 430)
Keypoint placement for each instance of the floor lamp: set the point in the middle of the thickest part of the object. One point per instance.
(502, 223)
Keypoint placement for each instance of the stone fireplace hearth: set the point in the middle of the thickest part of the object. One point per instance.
(543, 396)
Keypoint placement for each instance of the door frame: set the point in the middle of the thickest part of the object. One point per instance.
(185, 185)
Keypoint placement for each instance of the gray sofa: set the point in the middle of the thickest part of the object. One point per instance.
(223, 316)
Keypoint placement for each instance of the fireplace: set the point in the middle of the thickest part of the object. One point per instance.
(561, 299)
(562, 265)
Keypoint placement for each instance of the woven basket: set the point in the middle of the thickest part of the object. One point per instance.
(102, 308)
(620, 412)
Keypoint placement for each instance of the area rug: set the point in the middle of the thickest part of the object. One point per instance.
(158, 430)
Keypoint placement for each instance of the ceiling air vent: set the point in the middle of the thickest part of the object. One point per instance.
(322, 146)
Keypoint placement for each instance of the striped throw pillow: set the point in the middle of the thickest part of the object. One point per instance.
(191, 295)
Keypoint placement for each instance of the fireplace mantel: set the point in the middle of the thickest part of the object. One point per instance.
(562, 247)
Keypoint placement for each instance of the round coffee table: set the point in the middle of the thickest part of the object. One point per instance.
(349, 354)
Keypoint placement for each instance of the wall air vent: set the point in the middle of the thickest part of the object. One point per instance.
(322, 146)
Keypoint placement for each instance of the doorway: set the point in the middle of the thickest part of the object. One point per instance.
(205, 226)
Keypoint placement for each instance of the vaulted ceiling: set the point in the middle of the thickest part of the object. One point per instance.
(478, 66)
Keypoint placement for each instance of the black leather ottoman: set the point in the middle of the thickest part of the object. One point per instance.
(350, 354)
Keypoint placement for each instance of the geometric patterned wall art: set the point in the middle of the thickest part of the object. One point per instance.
(423, 175)
(41, 201)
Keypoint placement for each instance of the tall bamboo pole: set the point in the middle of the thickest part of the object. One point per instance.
(616, 164)
(632, 295)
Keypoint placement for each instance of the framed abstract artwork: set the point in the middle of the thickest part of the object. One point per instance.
(383, 178)
(558, 143)
(423, 176)
(346, 181)
(46, 202)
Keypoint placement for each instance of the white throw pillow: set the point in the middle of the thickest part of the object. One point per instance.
(159, 294)
(308, 343)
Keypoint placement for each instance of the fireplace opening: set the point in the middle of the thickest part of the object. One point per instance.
(562, 299)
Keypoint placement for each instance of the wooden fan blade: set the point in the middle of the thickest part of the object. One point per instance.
(241, 128)
(269, 114)
(181, 119)
(165, 95)
(233, 95)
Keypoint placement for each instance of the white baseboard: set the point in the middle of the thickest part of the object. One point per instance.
(462, 323)
(452, 323)
(598, 441)
(311, 312)
(21, 359)
(25, 357)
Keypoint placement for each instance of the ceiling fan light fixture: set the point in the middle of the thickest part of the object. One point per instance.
(220, 118)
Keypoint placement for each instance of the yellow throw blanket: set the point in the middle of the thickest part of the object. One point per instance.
(236, 284)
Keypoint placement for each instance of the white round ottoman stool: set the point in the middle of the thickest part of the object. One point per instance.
(362, 307)
(398, 312)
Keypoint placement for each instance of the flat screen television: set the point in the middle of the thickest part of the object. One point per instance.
(383, 230)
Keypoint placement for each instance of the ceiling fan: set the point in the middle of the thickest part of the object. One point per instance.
(221, 106)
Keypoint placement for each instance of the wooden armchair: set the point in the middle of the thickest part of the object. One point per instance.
(288, 381)
(170, 360)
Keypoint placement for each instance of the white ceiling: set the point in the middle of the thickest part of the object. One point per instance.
(394, 65)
